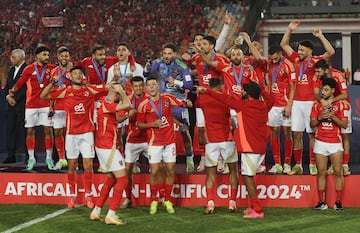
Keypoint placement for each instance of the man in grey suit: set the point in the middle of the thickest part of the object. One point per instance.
(16, 131)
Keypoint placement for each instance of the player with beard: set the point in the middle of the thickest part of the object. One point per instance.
(175, 79)
(304, 63)
(36, 76)
(57, 111)
(322, 71)
(282, 79)
(78, 102)
(205, 73)
(328, 121)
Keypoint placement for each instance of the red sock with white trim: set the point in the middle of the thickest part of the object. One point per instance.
(119, 187)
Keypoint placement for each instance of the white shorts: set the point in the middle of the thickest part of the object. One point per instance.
(300, 116)
(234, 118)
(276, 117)
(165, 153)
(36, 117)
(122, 124)
(79, 143)
(110, 159)
(213, 150)
(200, 121)
(250, 162)
(59, 119)
(327, 149)
(134, 150)
(348, 130)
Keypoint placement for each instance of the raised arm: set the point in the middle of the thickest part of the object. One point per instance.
(327, 46)
(224, 32)
(285, 42)
(252, 48)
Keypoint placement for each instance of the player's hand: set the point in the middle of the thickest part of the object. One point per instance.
(11, 92)
(170, 80)
(287, 111)
(11, 101)
(294, 25)
(185, 56)
(132, 112)
(246, 37)
(195, 48)
(228, 17)
(156, 123)
(116, 72)
(118, 88)
(317, 32)
(200, 89)
(325, 104)
(238, 41)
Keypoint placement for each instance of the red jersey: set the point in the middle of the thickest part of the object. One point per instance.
(164, 135)
(327, 131)
(59, 72)
(35, 82)
(97, 74)
(280, 77)
(338, 76)
(106, 132)
(235, 77)
(206, 72)
(79, 107)
(252, 116)
(217, 119)
(136, 135)
(259, 67)
(305, 71)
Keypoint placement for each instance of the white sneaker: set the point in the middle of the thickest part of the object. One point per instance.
(210, 207)
(286, 168)
(260, 169)
(60, 164)
(125, 203)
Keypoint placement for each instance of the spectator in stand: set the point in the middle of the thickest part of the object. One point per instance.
(16, 131)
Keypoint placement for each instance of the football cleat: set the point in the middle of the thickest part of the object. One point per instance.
(71, 204)
(232, 206)
(296, 170)
(114, 220)
(189, 165)
(320, 206)
(89, 202)
(60, 164)
(95, 216)
(169, 207)
(50, 163)
(251, 213)
(346, 170)
(286, 168)
(210, 207)
(276, 169)
(313, 169)
(338, 206)
(153, 207)
(30, 164)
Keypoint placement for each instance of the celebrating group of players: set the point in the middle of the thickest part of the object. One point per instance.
(237, 97)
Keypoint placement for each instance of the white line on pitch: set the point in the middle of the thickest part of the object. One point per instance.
(35, 221)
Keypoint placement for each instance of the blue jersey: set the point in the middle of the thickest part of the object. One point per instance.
(176, 69)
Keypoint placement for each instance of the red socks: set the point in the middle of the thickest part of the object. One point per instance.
(119, 187)
(210, 194)
(88, 181)
(60, 146)
(104, 193)
(298, 156)
(275, 147)
(72, 183)
(288, 151)
(30, 143)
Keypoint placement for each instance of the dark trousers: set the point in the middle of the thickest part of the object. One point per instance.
(16, 132)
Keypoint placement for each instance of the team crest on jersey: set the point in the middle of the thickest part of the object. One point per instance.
(335, 108)
(246, 74)
(166, 104)
(121, 163)
(86, 93)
